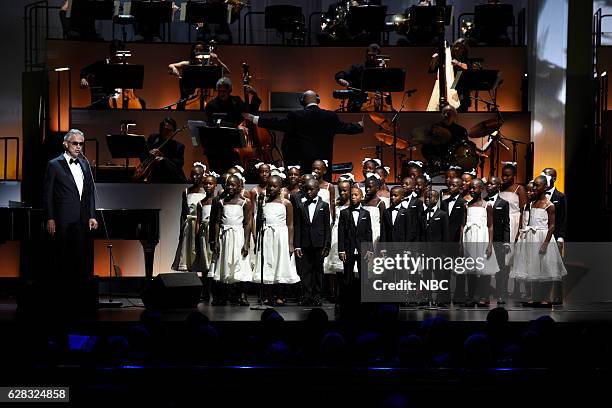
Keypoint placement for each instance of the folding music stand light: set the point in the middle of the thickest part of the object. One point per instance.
(126, 147)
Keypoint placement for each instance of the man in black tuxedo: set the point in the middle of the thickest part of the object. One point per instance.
(69, 203)
(354, 231)
(455, 207)
(170, 157)
(312, 241)
(309, 133)
(501, 235)
(560, 202)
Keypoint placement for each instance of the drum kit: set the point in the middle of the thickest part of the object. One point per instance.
(436, 146)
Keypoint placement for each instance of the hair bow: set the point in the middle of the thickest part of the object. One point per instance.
(295, 166)
(416, 163)
(239, 167)
(471, 172)
(367, 159)
(347, 177)
(199, 164)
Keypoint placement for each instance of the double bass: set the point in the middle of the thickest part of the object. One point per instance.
(258, 140)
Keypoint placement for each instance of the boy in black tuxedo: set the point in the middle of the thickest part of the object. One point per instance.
(560, 202)
(354, 236)
(312, 241)
(455, 207)
(435, 222)
(501, 235)
(414, 211)
(394, 226)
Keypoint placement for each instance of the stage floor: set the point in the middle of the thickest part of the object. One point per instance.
(133, 307)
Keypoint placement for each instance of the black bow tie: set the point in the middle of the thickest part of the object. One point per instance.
(490, 198)
(74, 161)
(430, 210)
(395, 208)
(355, 209)
(549, 193)
(308, 201)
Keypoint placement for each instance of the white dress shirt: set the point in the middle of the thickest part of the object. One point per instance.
(311, 208)
(77, 173)
(394, 211)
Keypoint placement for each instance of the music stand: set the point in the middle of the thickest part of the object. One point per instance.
(214, 138)
(149, 14)
(126, 147)
(369, 19)
(122, 76)
(209, 13)
(477, 79)
(383, 79)
(201, 76)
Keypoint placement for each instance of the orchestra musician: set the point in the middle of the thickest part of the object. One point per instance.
(460, 61)
(102, 96)
(436, 152)
(201, 54)
(352, 77)
(226, 110)
(169, 158)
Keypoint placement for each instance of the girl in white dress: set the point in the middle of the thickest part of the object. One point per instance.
(466, 179)
(369, 167)
(477, 238)
(279, 262)
(374, 205)
(230, 242)
(185, 256)
(452, 173)
(263, 171)
(326, 190)
(516, 196)
(541, 263)
(293, 180)
(204, 256)
(383, 193)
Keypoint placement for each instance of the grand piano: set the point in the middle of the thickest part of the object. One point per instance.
(28, 226)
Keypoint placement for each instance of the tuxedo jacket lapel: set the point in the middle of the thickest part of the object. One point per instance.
(68, 173)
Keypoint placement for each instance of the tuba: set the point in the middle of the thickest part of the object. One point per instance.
(452, 97)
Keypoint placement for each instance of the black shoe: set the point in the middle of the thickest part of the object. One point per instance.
(317, 303)
(501, 302)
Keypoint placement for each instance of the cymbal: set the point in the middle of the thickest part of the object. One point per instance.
(430, 135)
(381, 121)
(388, 140)
(484, 128)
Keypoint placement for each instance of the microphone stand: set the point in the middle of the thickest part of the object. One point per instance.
(260, 222)
(110, 303)
(394, 123)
